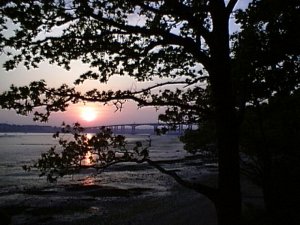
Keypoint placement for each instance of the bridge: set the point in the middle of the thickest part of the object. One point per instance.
(123, 128)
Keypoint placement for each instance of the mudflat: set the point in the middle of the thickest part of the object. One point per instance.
(73, 204)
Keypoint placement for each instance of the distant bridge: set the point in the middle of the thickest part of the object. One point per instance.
(123, 128)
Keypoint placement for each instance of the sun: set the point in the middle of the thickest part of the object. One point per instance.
(88, 113)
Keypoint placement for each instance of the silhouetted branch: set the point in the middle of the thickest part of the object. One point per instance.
(170, 38)
(159, 85)
(208, 191)
(230, 6)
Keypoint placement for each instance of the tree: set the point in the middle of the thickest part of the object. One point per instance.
(275, 130)
(266, 51)
(267, 72)
(188, 40)
(265, 67)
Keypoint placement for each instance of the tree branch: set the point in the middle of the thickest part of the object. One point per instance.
(168, 37)
(230, 6)
(129, 96)
(208, 191)
(159, 85)
(184, 12)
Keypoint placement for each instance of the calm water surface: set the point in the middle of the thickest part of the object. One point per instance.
(18, 149)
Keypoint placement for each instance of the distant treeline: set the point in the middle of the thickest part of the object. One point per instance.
(4, 128)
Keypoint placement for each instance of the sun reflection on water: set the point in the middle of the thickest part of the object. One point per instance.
(88, 159)
(89, 135)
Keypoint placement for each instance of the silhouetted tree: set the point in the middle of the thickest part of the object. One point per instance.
(267, 70)
(184, 41)
(265, 67)
(266, 51)
(275, 129)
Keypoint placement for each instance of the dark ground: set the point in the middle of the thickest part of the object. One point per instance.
(98, 205)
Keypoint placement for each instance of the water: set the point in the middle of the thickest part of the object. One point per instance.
(18, 149)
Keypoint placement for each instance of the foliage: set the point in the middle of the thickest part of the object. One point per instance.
(270, 143)
(168, 41)
(265, 59)
(266, 51)
(274, 126)
(183, 44)
(98, 152)
(266, 68)
(186, 45)
(202, 141)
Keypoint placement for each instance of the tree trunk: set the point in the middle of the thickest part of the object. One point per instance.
(228, 204)
(229, 196)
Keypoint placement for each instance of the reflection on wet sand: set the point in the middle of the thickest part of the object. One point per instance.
(88, 181)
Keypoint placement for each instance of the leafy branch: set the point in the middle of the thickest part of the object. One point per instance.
(42, 100)
(100, 151)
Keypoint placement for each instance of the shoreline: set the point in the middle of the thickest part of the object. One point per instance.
(96, 204)
(123, 194)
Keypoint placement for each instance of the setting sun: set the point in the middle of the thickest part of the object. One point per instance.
(88, 113)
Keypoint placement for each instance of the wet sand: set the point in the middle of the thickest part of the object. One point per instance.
(73, 204)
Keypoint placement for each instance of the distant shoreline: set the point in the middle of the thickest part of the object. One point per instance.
(14, 128)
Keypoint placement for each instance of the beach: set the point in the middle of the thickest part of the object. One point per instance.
(124, 194)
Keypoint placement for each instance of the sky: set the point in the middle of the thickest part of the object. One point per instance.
(55, 76)
(82, 113)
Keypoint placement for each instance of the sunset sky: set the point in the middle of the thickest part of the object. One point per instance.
(55, 76)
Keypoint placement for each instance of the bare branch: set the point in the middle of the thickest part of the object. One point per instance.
(159, 85)
(208, 191)
(230, 6)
